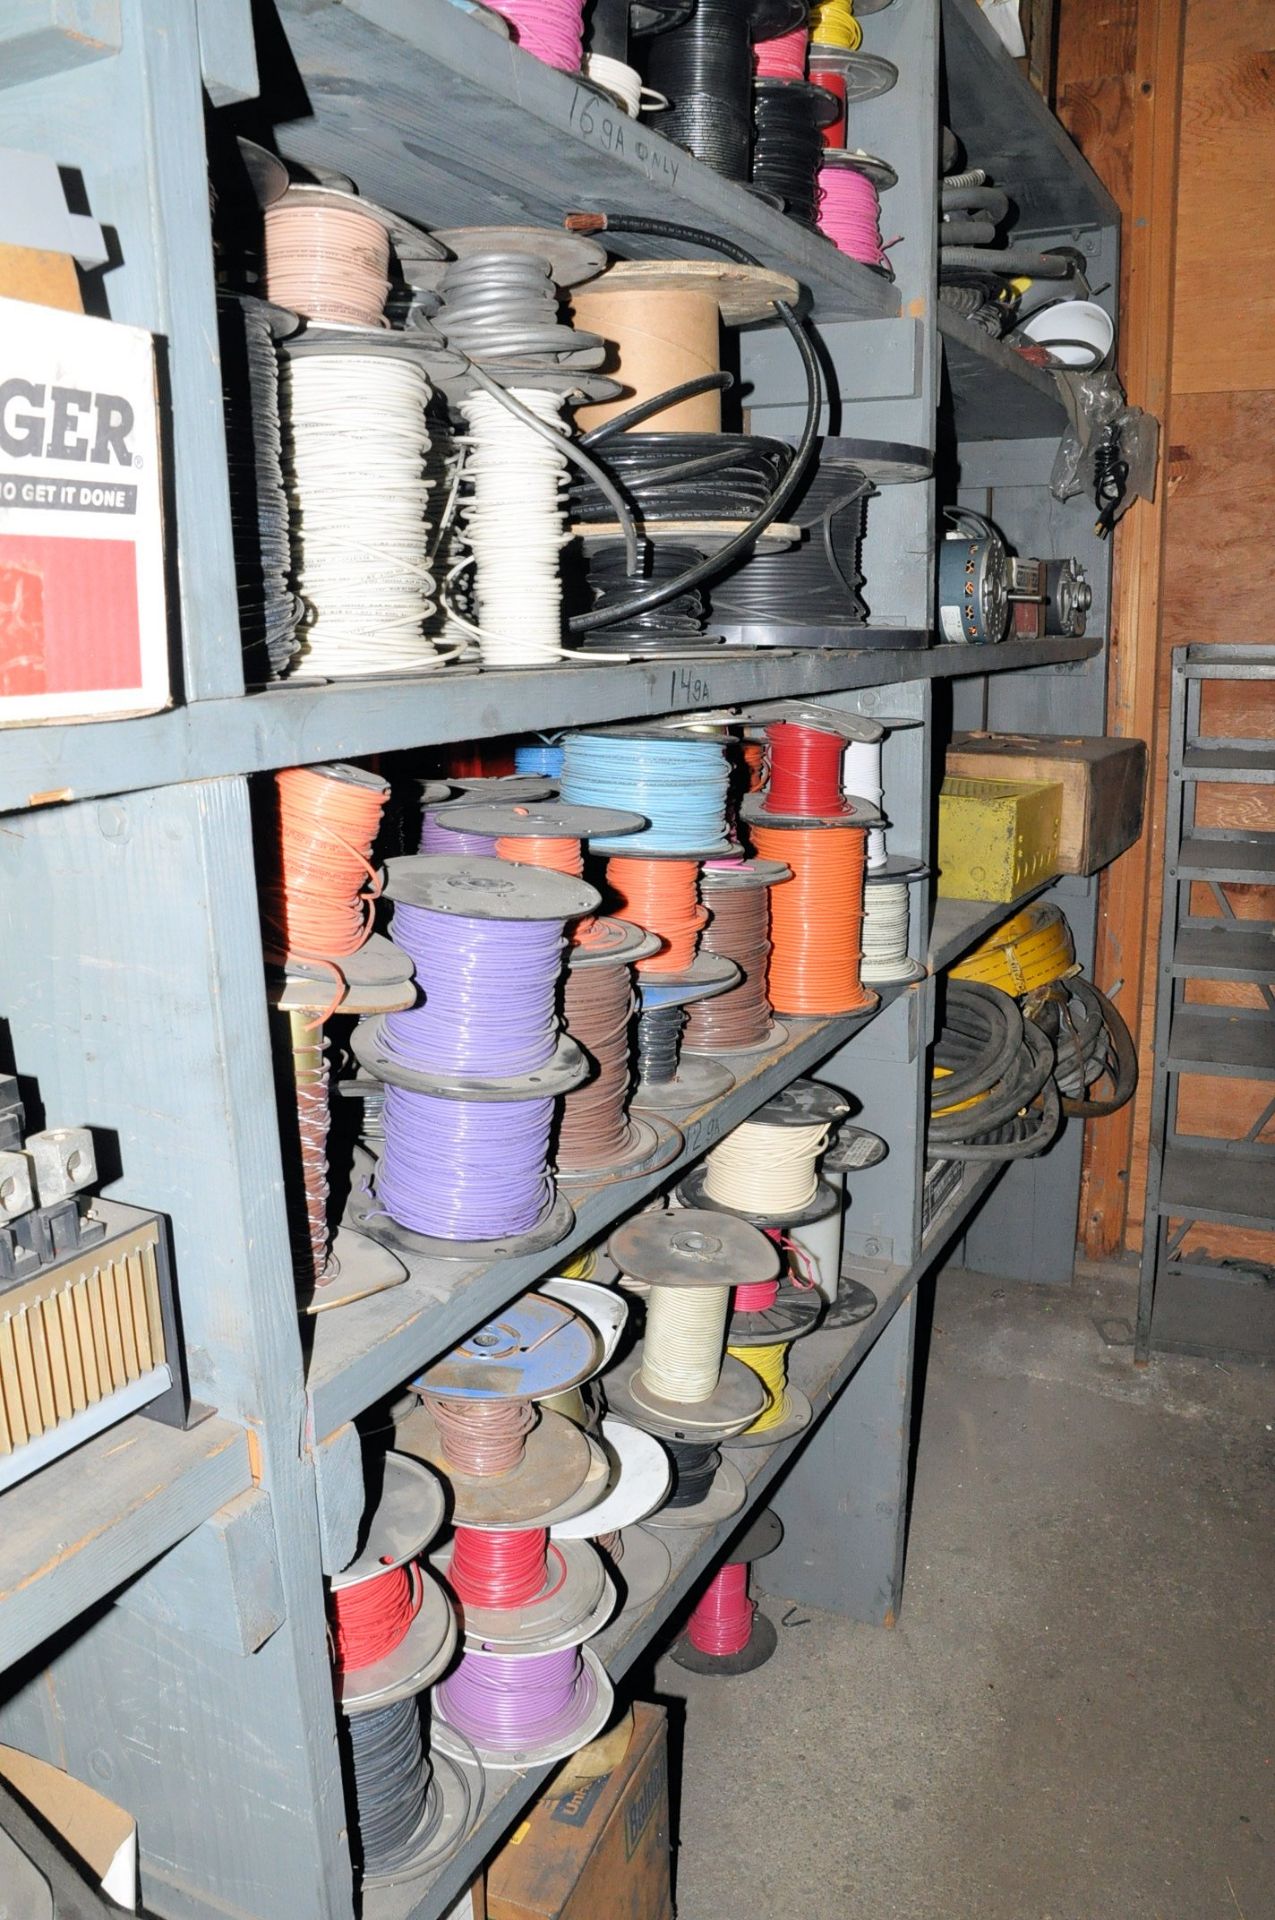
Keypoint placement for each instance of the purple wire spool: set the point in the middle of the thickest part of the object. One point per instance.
(437, 795)
(525, 1710)
(464, 1169)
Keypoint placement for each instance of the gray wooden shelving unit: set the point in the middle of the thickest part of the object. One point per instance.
(162, 1596)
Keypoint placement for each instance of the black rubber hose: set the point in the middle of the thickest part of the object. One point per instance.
(1010, 261)
(1125, 1075)
(989, 201)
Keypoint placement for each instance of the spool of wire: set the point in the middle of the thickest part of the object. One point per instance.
(770, 1364)
(482, 1439)
(674, 626)
(356, 461)
(832, 79)
(788, 121)
(704, 69)
(676, 781)
(508, 1705)
(850, 210)
(861, 776)
(784, 56)
(598, 1007)
(766, 1170)
(684, 476)
(805, 772)
(498, 1567)
(663, 897)
(512, 512)
(815, 583)
(327, 258)
(817, 919)
(886, 915)
(1025, 954)
(550, 30)
(738, 929)
(397, 1804)
(316, 904)
(268, 608)
(465, 1170)
(488, 988)
(685, 1335)
(539, 756)
(832, 24)
(372, 1617)
(722, 1622)
(694, 1469)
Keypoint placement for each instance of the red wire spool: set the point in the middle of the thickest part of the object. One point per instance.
(805, 772)
(498, 1569)
(371, 1618)
(722, 1623)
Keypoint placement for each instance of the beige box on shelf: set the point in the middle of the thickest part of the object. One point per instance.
(1103, 785)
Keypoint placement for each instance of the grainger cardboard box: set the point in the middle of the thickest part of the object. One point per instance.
(600, 1852)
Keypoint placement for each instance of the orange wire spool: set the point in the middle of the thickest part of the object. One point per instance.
(816, 920)
(662, 896)
(548, 834)
(318, 904)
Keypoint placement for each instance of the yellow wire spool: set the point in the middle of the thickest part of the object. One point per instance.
(1024, 954)
(583, 1267)
(832, 24)
(770, 1364)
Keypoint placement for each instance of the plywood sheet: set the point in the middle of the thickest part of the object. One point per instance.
(1219, 556)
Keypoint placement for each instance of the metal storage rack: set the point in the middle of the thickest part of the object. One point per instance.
(162, 1595)
(1189, 1303)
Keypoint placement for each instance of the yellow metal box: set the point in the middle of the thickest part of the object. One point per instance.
(997, 838)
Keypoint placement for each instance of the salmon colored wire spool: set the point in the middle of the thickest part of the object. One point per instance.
(597, 1005)
(816, 918)
(805, 771)
(327, 263)
(371, 1618)
(556, 856)
(318, 906)
(738, 929)
(662, 896)
(722, 1622)
(498, 1569)
(482, 1438)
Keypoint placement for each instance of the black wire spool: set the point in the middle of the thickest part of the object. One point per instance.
(814, 586)
(704, 69)
(659, 1043)
(672, 627)
(609, 23)
(1001, 1061)
(683, 476)
(788, 121)
(694, 1467)
(269, 611)
(396, 1798)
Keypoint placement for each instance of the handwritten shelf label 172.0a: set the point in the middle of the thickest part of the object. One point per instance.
(612, 130)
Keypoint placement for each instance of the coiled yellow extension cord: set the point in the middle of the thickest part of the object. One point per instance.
(1026, 953)
(763, 1169)
(770, 1364)
(682, 1350)
(832, 24)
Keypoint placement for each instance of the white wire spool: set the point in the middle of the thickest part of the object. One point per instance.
(685, 1336)
(861, 776)
(820, 1240)
(513, 513)
(886, 908)
(761, 1169)
(357, 445)
(617, 78)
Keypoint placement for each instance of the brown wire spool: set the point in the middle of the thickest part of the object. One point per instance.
(738, 901)
(598, 1006)
(661, 321)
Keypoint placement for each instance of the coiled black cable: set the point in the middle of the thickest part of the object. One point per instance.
(684, 476)
(704, 69)
(817, 582)
(676, 624)
(1092, 1043)
(788, 145)
(1002, 1062)
(269, 611)
(694, 1466)
(659, 1041)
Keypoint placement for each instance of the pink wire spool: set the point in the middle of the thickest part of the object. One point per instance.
(850, 214)
(327, 263)
(552, 30)
(833, 81)
(784, 57)
(722, 1623)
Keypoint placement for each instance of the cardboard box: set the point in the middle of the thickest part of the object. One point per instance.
(600, 1852)
(97, 1833)
(83, 607)
(1103, 785)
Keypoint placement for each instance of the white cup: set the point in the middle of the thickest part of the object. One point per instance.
(1077, 332)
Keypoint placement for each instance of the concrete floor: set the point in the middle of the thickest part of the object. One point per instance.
(1075, 1717)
